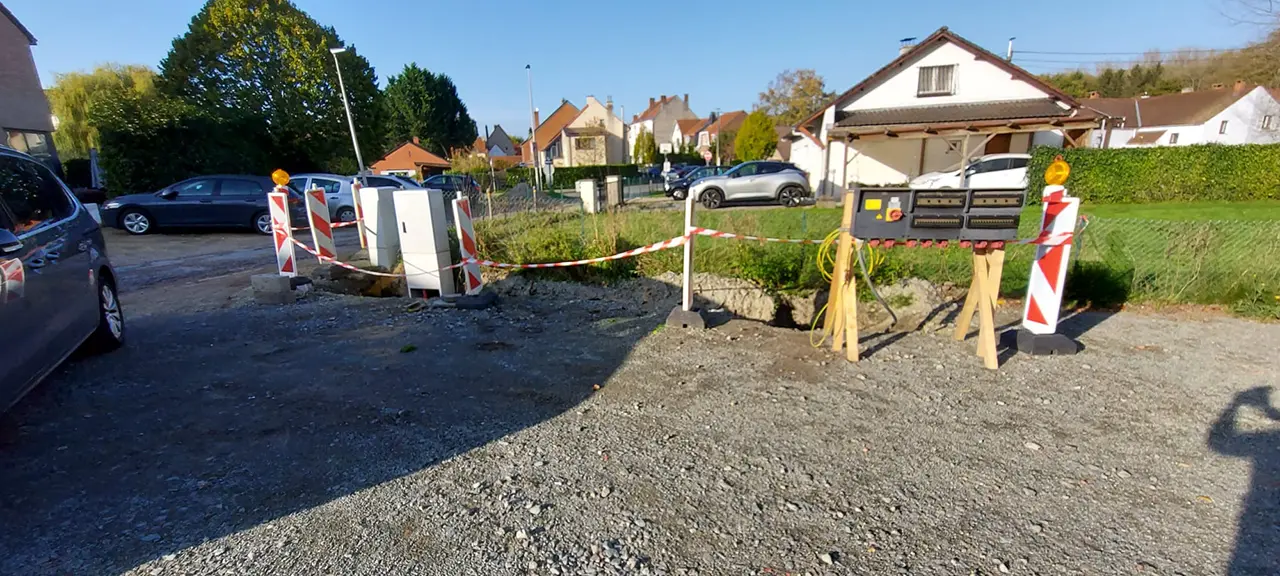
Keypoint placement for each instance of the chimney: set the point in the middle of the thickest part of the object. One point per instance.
(1217, 86)
(1094, 95)
(1240, 86)
(608, 105)
(536, 121)
(686, 98)
(905, 45)
(651, 101)
(416, 140)
(1188, 89)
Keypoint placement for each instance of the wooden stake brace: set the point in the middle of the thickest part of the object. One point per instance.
(984, 289)
(842, 302)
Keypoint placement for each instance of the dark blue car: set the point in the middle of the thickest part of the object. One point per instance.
(204, 201)
(57, 288)
(679, 187)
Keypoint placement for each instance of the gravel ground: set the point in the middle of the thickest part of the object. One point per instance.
(348, 436)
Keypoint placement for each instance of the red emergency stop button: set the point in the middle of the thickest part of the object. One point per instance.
(893, 215)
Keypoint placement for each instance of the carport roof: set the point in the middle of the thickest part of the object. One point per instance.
(950, 113)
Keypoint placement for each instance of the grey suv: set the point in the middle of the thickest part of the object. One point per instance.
(57, 289)
(763, 180)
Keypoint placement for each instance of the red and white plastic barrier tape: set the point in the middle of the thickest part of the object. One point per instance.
(335, 225)
(337, 262)
(655, 247)
(718, 234)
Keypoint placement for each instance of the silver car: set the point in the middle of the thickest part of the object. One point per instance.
(57, 288)
(337, 192)
(763, 180)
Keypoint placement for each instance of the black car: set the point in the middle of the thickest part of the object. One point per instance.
(679, 187)
(204, 201)
(453, 183)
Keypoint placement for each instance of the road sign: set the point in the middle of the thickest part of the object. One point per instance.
(706, 155)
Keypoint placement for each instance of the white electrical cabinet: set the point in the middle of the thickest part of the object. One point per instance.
(424, 241)
(380, 226)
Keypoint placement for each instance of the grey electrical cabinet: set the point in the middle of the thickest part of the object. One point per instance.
(945, 214)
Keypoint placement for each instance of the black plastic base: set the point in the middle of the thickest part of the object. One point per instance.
(1024, 341)
(681, 318)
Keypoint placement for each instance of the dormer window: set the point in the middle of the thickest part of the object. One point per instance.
(937, 81)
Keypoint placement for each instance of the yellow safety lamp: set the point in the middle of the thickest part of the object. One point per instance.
(1057, 172)
(280, 177)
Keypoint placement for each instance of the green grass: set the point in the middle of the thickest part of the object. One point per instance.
(1209, 253)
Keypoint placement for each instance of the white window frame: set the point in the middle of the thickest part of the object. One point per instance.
(1222, 128)
(1267, 122)
(1173, 138)
(934, 75)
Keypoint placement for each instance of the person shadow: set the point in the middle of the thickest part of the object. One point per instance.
(1257, 545)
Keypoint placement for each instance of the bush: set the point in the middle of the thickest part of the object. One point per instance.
(565, 176)
(1164, 173)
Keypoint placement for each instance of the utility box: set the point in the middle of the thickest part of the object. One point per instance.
(590, 196)
(380, 226)
(613, 191)
(946, 214)
(424, 240)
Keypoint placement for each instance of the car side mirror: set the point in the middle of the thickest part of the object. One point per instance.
(9, 242)
(169, 194)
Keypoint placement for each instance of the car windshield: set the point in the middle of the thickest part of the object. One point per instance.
(740, 168)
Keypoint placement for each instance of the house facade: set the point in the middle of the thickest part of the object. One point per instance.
(594, 137)
(937, 106)
(548, 136)
(410, 159)
(499, 143)
(686, 131)
(660, 119)
(727, 123)
(25, 120)
(1238, 114)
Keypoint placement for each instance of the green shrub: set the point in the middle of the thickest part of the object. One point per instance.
(1164, 173)
(565, 176)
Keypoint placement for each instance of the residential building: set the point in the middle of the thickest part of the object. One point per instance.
(783, 152)
(936, 106)
(411, 159)
(660, 120)
(594, 137)
(728, 123)
(499, 143)
(25, 120)
(549, 135)
(686, 131)
(1239, 114)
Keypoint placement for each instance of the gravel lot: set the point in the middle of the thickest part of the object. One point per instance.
(349, 436)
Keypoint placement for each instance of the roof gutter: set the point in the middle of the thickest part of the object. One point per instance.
(1137, 110)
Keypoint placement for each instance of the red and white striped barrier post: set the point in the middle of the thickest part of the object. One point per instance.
(355, 200)
(1038, 334)
(13, 279)
(472, 281)
(281, 231)
(321, 229)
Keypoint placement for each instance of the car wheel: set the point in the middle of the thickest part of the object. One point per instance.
(789, 197)
(262, 222)
(110, 332)
(346, 214)
(135, 222)
(712, 198)
(679, 194)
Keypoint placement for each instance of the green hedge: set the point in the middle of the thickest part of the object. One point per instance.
(565, 176)
(1165, 173)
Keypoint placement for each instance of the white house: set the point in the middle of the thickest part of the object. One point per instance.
(1241, 114)
(660, 120)
(937, 106)
(594, 136)
(686, 131)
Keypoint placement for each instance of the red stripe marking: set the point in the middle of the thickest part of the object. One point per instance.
(1050, 264)
(1034, 314)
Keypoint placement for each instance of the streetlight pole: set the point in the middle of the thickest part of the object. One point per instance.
(719, 124)
(351, 124)
(533, 137)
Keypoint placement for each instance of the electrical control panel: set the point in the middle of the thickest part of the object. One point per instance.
(946, 214)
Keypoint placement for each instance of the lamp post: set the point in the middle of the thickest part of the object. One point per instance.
(719, 128)
(533, 137)
(351, 124)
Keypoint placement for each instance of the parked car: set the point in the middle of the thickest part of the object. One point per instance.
(453, 183)
(57, 287)
(203, 201)
(679, 188)
(337, 193)
(990, 171)
(760, 180)
(389, 181)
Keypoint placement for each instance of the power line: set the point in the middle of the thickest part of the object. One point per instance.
(1180, 50)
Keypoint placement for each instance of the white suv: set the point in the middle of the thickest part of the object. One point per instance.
(990, 171)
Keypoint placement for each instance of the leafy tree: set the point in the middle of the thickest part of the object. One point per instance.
(72, 93)
(427, 105)
(724, 143)
(793, 96)
(242, 61)
(756, 139)
(646, 148)
(517, 140)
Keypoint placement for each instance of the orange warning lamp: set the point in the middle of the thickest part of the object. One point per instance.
(280, 177)
(1057, 172)
(893, 215)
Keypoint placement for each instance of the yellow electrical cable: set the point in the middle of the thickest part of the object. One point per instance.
(825, 258)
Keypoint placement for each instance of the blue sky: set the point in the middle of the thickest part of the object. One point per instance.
(723, 53)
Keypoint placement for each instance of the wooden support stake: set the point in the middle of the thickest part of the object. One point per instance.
(851, 318)
(996, 269)
(986, 312)
(835, 316)
(970, 304)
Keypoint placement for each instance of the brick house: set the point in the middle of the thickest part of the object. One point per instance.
(410, 159)
(25, 120)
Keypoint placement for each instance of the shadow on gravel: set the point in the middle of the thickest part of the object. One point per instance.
(211, 423)
(1257, 546)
